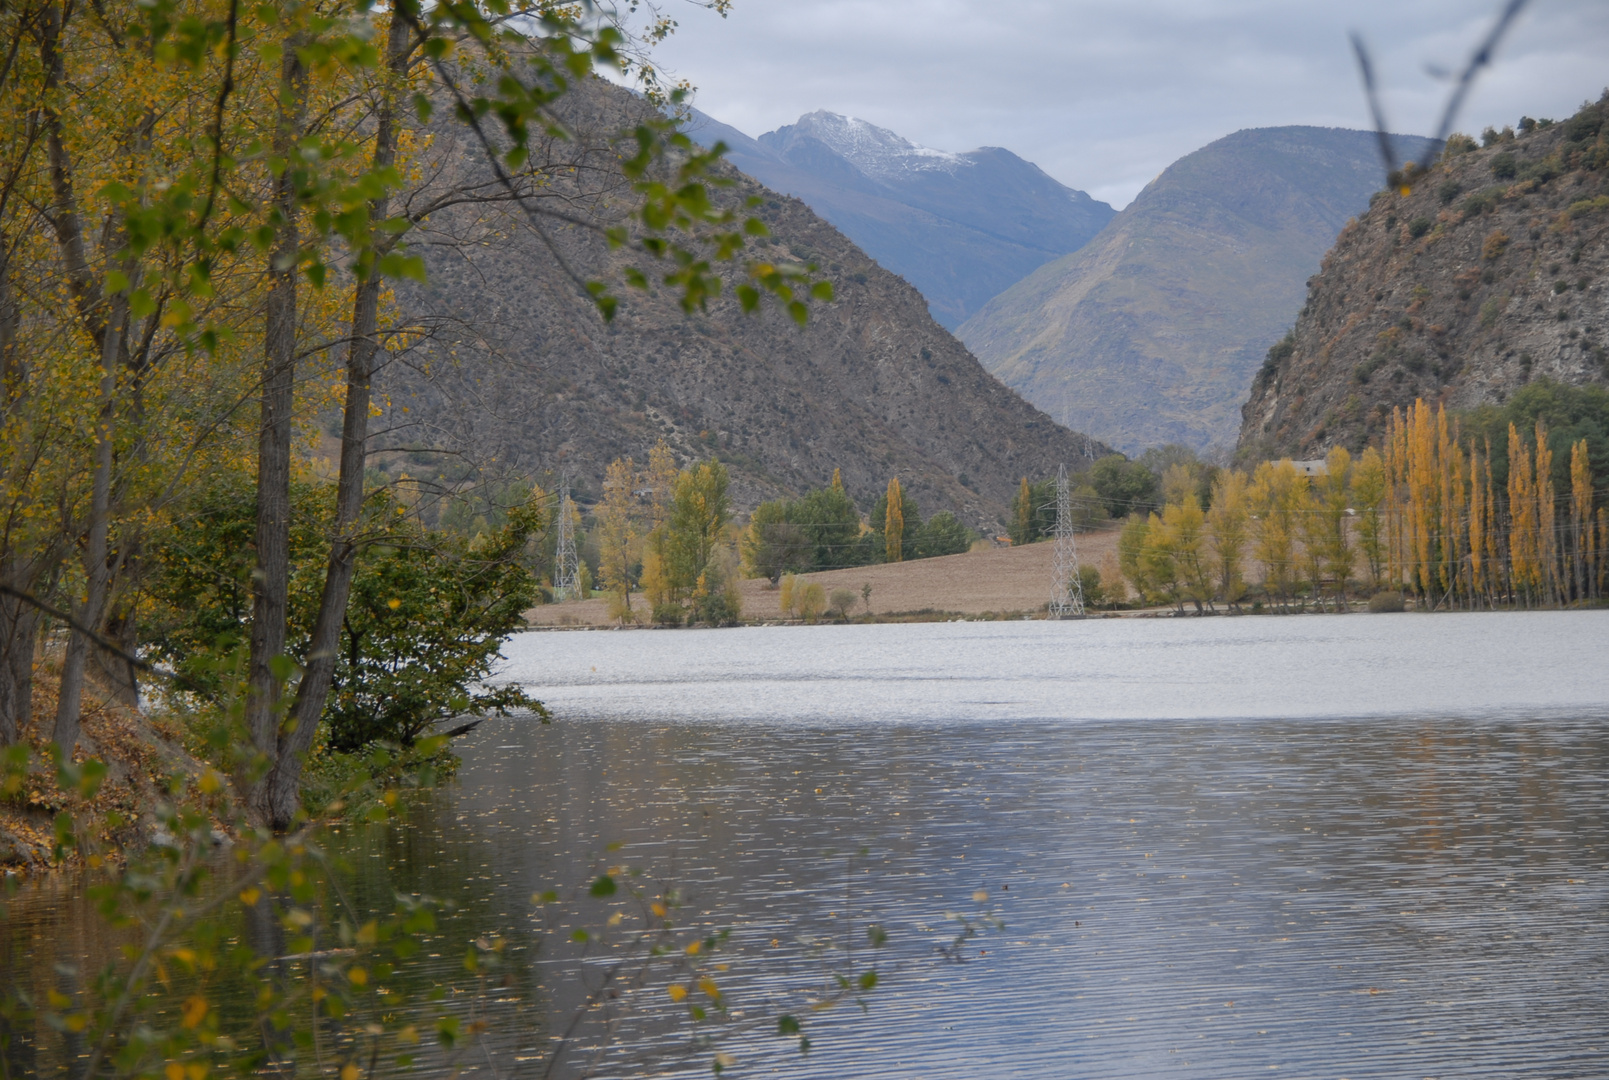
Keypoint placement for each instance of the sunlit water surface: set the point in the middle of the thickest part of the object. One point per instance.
(1363, 846)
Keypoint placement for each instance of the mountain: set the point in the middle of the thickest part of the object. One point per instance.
(960, 227)
(514, 372)
(1492, 272)
(1152, 331)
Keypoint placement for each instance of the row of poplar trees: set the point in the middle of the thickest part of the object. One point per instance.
(201, 204)
(1425, 513)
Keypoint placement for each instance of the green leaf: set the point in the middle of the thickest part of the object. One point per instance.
(604, 886)
(868, 980)
(876, 935)
(822, 290)
(787, 1025)
(140, 303)
(800, 313)
(395, 265)
(116, 281)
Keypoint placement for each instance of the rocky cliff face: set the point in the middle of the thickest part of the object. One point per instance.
(1492, 271)
(960, 227)
(519, 374)
(1152, 331)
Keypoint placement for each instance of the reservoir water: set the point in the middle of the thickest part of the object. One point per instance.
(1344, 847)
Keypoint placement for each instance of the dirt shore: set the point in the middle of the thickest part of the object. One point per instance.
(1002, 581)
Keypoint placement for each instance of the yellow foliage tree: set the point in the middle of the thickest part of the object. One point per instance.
(894, 523)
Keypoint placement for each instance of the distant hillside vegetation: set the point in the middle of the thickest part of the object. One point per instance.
(520, 376)
(1151, 333)
(960, 227)
(1492, 272)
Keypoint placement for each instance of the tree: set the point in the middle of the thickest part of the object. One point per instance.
(773, 544)
(1368, 495)
(942, 534)
(1277, 494)
(1033, 511)
(617, 535)
(894, 522)
(1183, 538)
(699, 513)
(1228, 529)
(1159, 569)
(1334, 494)
(1124, 486)
(841, 601)
(831, 525)
(1130, 551)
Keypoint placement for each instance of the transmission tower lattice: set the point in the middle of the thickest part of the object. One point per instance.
(1066, 587)
(566, 567)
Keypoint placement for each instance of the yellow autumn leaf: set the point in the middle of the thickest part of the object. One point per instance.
(195, 1010)
(677, 993)
(250, 896)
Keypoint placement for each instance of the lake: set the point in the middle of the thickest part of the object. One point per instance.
(1359, 846)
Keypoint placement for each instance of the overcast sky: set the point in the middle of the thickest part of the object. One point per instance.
(1103, 96)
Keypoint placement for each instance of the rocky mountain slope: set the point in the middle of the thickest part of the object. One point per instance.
(960, 227)
(1493, 271)
(518, 374)
(1151, 332)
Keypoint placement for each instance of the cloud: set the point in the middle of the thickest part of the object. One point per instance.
(1104, 96)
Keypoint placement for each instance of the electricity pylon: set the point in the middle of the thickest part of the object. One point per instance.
(1066, 587)
(566, 566)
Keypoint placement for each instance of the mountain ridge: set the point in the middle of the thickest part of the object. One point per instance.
(959, 226)
(1492, 271)
(521, 371)
(1151, 332)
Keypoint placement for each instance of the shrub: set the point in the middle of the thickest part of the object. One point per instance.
(841, 601)
(1382, 602)
(810, 600)
(1419, 226)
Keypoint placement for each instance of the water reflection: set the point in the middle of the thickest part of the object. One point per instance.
(1408, 894)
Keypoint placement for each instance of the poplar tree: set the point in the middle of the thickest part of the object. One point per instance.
(1582, 576)
(1228, 528)
(894, 523)
(1368, 497)
(1277, 493)
(1522, 542)
(616, 535)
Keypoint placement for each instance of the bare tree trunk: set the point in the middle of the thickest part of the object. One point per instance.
(89, 612)
(271, 579)
(284, 796)
(19, 636)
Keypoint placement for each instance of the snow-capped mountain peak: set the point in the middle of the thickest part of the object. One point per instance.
(877, 152)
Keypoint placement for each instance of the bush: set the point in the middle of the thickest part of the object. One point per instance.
(428, 612)
(1419, 226)
(809, 601)
(841, 601)
(1383, 602)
